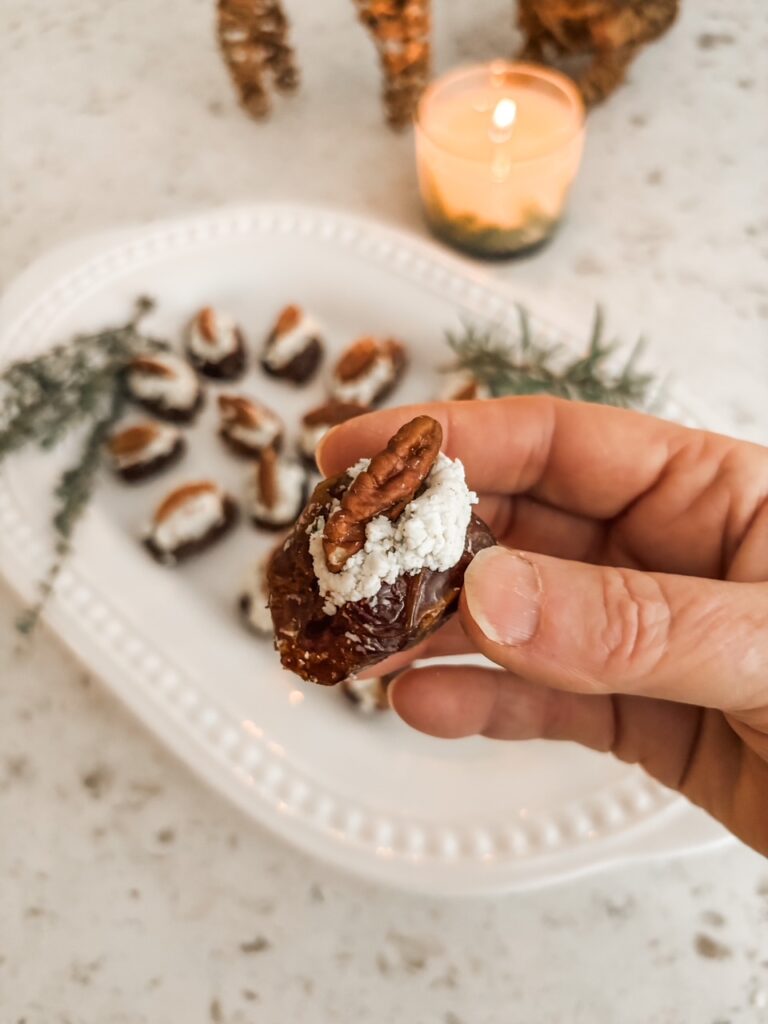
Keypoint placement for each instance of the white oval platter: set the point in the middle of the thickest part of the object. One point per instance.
(460, 817)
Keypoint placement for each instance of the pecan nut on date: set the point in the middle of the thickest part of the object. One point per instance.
(393, 477)
(325, 644)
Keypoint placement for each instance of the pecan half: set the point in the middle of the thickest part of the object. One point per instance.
(333, 413)
(153, 367)
(187, 492)
(288, 319)
(357, 359)
(242, 411)
(392, 479)
(267, 477)
(394, 350)
(206, 323)
(132, 440)
(466, 392)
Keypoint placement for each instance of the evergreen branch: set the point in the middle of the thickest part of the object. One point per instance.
(73, 493)
(525, 364)
(41, 399)
(44, 398)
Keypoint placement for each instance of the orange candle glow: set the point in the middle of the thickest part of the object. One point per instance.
(497, 148)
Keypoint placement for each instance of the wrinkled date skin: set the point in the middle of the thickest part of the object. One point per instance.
(328, 648)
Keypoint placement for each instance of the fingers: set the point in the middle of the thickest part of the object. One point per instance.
(666, 497)
(592, 629)
(686, 748)
(679, 745)
(539, 445)
(750, 562)
(446, 642)
(522, 522)
(453, 701)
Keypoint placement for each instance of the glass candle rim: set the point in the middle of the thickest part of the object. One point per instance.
(560, 81)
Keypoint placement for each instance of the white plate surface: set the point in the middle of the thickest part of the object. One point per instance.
(462, 817)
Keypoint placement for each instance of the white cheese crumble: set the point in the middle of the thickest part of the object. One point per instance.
(225, 340)
(258, 613)
(429, 534)
(291, 479)
(192, 520)
(256, 436)
(458, 382)
(165, 440)
(286, 346)
(310, 438)
(364, 388)
(368, 694)
(179, 391)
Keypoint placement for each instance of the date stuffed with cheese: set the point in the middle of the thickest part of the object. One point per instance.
(377, 559)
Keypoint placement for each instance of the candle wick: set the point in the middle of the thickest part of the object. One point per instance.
(502, 124)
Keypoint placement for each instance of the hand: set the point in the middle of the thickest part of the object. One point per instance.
(626, 603)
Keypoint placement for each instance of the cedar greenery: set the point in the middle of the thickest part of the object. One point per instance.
(76, 384)
(529, 365)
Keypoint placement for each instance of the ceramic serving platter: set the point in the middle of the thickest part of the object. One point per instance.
(370, 795)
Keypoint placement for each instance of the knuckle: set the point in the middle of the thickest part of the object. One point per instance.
(637, 620)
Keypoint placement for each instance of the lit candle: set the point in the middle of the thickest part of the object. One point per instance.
(497, 148)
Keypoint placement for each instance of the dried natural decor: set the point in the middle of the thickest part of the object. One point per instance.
(77, 384)
(607, 33)
(254, 39)
(400, 30)
(253, 36)
(506, 363)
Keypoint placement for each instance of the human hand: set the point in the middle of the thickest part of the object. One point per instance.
(626, 603)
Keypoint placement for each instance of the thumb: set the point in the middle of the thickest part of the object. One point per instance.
(598, 629)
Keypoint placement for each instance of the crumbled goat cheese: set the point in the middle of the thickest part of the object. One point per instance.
(458, 382)
(176, 392)
(225, 340)
(256, 436)
(285, 347)
(165, 440)
(429, 534)
(363, 389)
(311, 436)
(291, 479)
(258, 613)
(367, 694)
(191, 521)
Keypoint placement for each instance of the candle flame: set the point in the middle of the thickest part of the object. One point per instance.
(504, 114)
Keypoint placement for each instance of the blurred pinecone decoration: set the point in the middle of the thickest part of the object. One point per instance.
(400, 30)
(254, 39)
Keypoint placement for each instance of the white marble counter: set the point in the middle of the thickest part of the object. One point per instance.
(128, 893)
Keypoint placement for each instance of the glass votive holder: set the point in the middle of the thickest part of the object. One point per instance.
(497, 149)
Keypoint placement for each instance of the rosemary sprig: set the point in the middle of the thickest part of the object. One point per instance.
(528, 365)
(79, 383)
(41, 399)
(73, 493)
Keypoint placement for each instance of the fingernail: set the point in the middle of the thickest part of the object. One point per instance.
(503, 594)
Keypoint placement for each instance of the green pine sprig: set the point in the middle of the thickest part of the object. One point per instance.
(78, 384)
(525, 364)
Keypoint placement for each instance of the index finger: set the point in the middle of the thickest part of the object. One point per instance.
(588, 459)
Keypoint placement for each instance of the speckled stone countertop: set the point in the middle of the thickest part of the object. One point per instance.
(128, 892)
